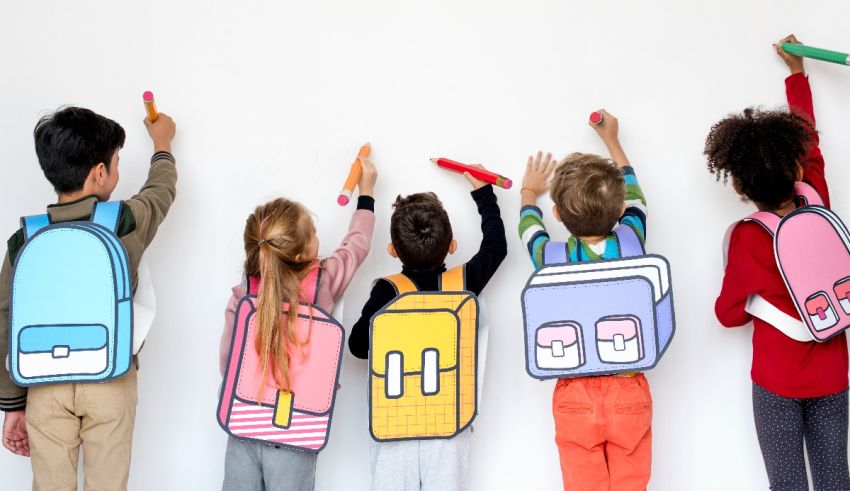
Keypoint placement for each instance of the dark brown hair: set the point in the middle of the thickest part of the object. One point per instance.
(420, 230)
(761, 151)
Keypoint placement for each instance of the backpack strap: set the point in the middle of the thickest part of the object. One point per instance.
(555, 253)
(808, 194)
(309, 285)
(768, 220)
(106, 214)
(401, 283)
(628, 241)
(32, 224)
(757, 306)
(453, 280)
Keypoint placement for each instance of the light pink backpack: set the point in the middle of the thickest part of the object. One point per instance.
(300, 418)
(812, 249)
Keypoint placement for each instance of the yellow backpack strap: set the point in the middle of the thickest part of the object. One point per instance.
(401, 283)
(453, 280)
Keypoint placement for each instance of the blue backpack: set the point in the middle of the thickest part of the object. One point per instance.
(71, 308)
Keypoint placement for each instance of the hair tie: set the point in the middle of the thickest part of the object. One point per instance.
(261, 242)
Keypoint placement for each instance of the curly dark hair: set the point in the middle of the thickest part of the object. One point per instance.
(762, 151)
(420, 230)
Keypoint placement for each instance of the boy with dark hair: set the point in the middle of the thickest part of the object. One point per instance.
(78, 152)
(603, 424)
(421, 236)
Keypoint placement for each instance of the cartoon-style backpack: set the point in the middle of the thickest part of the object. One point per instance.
(300, 418)
(812, 250)
(423, 361)
(71, 306)
(599, 317)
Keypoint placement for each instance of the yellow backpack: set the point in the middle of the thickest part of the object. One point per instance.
(423, 361)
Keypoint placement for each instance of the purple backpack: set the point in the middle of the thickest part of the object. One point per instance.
(597, 318)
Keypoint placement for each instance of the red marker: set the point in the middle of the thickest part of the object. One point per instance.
(480, 174)
(596, 117)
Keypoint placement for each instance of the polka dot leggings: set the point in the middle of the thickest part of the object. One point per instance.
(782, 424)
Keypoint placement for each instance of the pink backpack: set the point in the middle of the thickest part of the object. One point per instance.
(300, 418)
(812, 249)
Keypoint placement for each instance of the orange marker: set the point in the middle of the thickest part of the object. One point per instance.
(353, 176)
(150, 105)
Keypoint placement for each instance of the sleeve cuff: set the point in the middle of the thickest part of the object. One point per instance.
(366, 203)
(482, 194)
(531, 208)
(163, 156)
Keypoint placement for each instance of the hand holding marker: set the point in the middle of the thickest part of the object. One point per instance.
(353, 175)
(480, 174)
(150, 106)
(816, 53)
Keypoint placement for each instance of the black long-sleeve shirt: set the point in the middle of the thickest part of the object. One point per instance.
(479, 270)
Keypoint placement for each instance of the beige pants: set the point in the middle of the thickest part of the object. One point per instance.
(98, 417)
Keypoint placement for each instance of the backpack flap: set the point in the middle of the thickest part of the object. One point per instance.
(812, 250)
(423, 361)
(71, 303)
(598, 317)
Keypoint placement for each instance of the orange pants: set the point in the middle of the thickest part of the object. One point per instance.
(603, 429)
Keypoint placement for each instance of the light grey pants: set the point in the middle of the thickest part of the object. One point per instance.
(250, 466)
(429, 465)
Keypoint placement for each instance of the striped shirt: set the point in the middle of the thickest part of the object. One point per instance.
(533, 233)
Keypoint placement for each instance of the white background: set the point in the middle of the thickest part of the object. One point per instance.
(275, 98)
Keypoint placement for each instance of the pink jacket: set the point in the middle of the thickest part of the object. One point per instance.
(338, 270)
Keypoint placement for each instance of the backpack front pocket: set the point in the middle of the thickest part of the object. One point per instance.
(618, 339)
(57, 350)
(559, 345)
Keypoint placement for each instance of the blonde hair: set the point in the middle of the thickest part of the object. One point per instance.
(589, 192)
(276, 238)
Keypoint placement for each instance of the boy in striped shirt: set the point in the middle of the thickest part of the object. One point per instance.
(602, 423)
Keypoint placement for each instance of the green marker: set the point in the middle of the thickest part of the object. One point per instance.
(816, 53)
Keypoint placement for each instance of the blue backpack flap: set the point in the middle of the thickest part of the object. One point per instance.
(600, 317)
(71, 308)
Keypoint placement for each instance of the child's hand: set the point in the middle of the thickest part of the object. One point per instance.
(366, 184)
(476, 184)
(795, 63)
(162, 132)
(608, 128)
(15, 436)
(536, 179)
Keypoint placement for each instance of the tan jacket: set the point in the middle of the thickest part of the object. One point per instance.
(140, 218)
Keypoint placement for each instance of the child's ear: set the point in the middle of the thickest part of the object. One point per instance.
(391, 250)
(98, 173)
(452, 246)
(800, 172)
(555, 212)
(623, 210)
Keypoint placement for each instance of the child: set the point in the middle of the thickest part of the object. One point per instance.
(603, 423)
(422, 238)
(281, 248)
(78, 152)
(799, 389)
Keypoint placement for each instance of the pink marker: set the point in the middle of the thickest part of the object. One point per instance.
(596, 117)
(150, 106)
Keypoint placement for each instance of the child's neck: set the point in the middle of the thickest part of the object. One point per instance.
(592, 240)
(783, 210)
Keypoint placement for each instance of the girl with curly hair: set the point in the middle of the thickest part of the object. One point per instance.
(799, 388)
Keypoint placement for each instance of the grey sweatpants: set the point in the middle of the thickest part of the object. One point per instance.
(250, 466)
(429, 465)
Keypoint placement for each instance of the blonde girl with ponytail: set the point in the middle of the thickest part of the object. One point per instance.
(281, 249)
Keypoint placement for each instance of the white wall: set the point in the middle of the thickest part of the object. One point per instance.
(274, 98)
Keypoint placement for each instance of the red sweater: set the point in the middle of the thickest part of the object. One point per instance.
(781, 365)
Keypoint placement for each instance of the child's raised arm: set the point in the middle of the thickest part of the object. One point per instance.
(535, 182)
(798, 92)
(608, 131)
